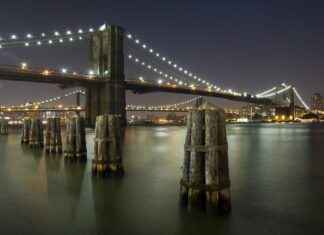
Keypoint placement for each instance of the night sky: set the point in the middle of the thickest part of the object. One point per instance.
(247, 45)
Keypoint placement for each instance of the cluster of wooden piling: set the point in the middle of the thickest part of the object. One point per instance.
(108, 146)
(53, 137)
(75, 139)
(205, 182)
(32, 133)
(4, 127)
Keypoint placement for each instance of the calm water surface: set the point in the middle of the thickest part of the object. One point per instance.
(277, 174)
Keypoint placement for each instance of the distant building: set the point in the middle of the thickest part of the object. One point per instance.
(317, 102)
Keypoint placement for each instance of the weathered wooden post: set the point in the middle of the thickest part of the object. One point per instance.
(108, 146)
(3, 127)
(36, 135)
(53, 137)
(80, 138)
(25, 131)
(75, 139)
(205, 181)
(186, 165)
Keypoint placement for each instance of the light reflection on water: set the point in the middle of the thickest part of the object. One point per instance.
(276, 172)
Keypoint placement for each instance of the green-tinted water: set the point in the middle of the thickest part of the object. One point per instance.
(277, 174)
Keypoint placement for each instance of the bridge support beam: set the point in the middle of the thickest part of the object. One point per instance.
(107, 59)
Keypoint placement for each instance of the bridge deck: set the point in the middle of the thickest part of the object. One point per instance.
(140, 87)
(13, 73)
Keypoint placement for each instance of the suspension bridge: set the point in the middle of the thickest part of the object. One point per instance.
(112, 49)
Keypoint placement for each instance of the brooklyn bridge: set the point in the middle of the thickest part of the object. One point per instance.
(105, 84)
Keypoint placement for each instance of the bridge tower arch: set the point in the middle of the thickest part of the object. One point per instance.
(107, 62)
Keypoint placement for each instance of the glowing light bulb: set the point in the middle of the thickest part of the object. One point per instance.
(23, 65)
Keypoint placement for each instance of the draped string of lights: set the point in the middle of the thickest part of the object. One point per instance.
(161, 73)
(162, 107)
(269, 95)
(46, 100)
(261, 94)
(301, 99)
(298, 96)
(174, 80)
(272, 92)
(179, 68)
(57, 98)
(44, 38)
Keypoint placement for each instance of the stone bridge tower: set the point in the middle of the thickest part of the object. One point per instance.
(107, 61)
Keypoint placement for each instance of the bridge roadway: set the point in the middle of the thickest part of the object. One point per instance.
(13, 73)
(33, 110)
(130, 108)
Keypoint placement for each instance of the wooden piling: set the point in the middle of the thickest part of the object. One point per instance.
(108, 146)
(186, 164)
(26, 131)
(205, 177)
(75, 139)
(196, 195)
(36, 134)
(53, 137)
(4, 127)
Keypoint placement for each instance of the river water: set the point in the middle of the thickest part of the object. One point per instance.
(277, 175)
